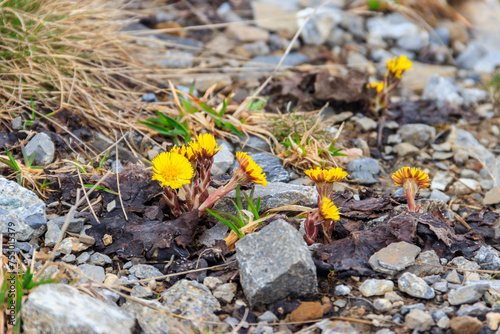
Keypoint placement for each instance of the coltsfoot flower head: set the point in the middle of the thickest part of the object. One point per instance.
(326, 175)
(186, 151)
(411, 174)
(172, 170)
(329, 210)
(252, 172)
(205, 147)
(378, 85)
(411, 179)
(398, 65)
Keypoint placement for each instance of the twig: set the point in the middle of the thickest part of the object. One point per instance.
(118, 180)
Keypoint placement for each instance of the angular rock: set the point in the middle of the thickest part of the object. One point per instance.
(465, 187)
(492, 196)
(415, 286)
(222, 161)
(275, 263)
(382, 304)
(317, 30)
(191, 299)
(152, 321)
(272, 166)
(441, 180)
(246, 33)
(407, 308)
(62, 309)
(417, 134)
(217, 232)
(442, 90)
(71, 245)
(433, 268)
(375, 287)
(75, 224)
(405, 149)
(225, 292)
(274, 195)
(394, 258)
(467, 294)
(465, 325)
(438, 195)
(21, 207)
(419, 320)
(487, 258)
(145, 271)
(99, 259)
(43, 148)
(95, 272)
(365, 170)
(342, 290)
(254, 145)
(493, 319)
(462, 263)
(52, 234)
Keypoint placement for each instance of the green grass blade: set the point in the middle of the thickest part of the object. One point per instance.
(231, 225)
(238, 197)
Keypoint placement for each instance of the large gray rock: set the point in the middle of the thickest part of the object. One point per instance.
(275, 263)
(467, 294)
(75, 224)
(272, 166)
(43, 147)
(487, 258)
(417, 134)
(223, 159)
(62, 309)
(21, 207)
(442, 90)
(191, 299)
(152, 321)
(145, 271)
(272, 196)
(95, 272)
(415, 286)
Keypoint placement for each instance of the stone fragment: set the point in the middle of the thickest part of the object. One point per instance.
(225, 292)
(75, 224)
(275, 263)
(432, 268)
(145, 271)
(99, 259)
(419, 320)
(465, 187)
(407, 308)
(94, 272)
(272, 166)
(212, 282)
(222, 160)
(150, 319)
(467, 294)
(307, 311)
(493, 319)
(441, 180)
(62, 309)
(268, 317)
(375, 287)
(394, 258)
(492, 196)
(191, 299)
(382, 304)
(442, 90)
(465, 325)
(246, 33)
(438, 195)
(52, 234)
(415, 286)
(406, 149)
(342, 290)
(365, 170)
(417, 134)
(487, 258)
(71, 245)
(43, 147)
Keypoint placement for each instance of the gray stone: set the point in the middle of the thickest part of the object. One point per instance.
(382, 304)
(438, 155)
(407, 308)
(270, 61)
(433, 268)
(341, 303)
(406, 149)
(489, 62)
(365, 170)
(225, 292)
(254, 145)
(317, 30)
(145, 271)
(94, 272)
(275, 263)
(462, 263)
(22, 208)
(442, 90)
(487, 258)
(419, 320)
(217, 232)
(453, 277)
(440, 318)
(69, 258)
(465, 187)
(274, 195)
(257, 48)
(43, 148)
(437, 195)
(268, 317)
(393, 297)
(415, 286)
(176, 59)
(140, 291)
(82, 258)
(392, 26)
(99, 259)
(272, 166)
(474, 96)
(342, 290)
(440, 286)
(470, 56)
(365, 123)
(222, 160)
(17, 123)
(467, 294)
(62, 309)
(474, 310)
(414, 42)
(149, 97)
(336, 327)
(157, 320)
(417, 134)
(394, 258)
(75, 224)
(116, 166)
(53, 232)
(191, 299)
(375, 287)
(441, 181)
(212, 282)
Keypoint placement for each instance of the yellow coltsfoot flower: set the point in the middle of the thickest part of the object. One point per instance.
(378, 85)
(186, 151)
(250, 170)
(205, 147)
(326, 175)
(411, 179)
(329, 210)
(398, 65)
(172, 170)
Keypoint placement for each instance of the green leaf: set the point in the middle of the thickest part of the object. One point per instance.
(232, 128)
(238, 197)
(252, 207)
(241, 221)
(231, 225)
(101, 188)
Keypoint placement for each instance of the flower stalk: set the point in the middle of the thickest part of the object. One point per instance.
(412, 180)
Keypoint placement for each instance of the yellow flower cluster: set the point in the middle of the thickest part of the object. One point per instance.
(406, 174)
(252, 171)
(398, 65)
(326, 175)
(329, 210)
(378, 85)
(172, 170)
